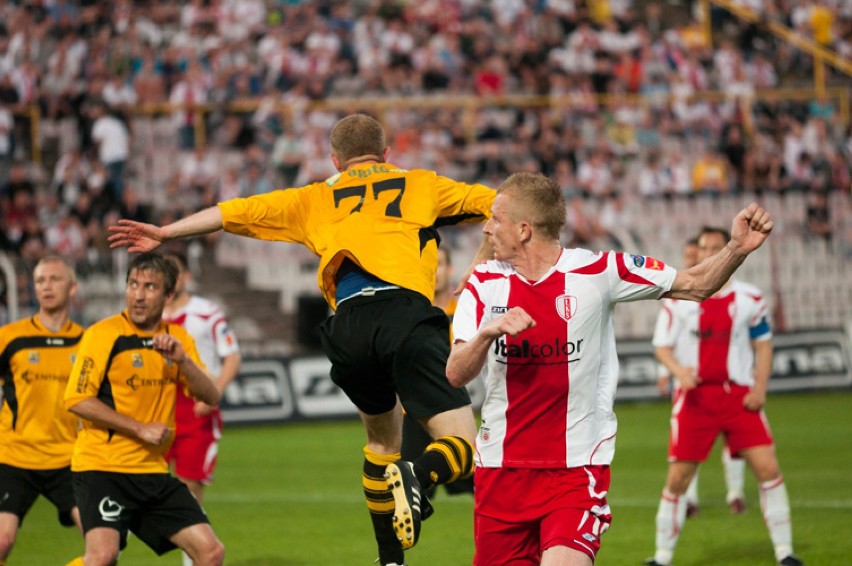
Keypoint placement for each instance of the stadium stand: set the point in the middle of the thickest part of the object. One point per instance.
(587, 92)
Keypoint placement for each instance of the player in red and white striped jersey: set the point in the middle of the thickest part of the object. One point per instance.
(198, 426)
(720, 352)
(734, 467)
(541, 318)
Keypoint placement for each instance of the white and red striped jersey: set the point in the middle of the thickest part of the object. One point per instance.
(206, 323)
(550, 390)
(716, 335)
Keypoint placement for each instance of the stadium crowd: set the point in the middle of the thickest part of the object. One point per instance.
(101, 73)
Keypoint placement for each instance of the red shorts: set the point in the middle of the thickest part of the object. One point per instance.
(702, 414)
(196, 443)
(520, 513)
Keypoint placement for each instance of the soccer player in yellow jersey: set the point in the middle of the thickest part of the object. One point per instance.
(124, 387)
(374, 227)
(415, 439)
(36, 432)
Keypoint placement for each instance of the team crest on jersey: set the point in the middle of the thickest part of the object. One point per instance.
(485, 433)
(33, 357)
(638, 260)
(566, 306)
(136, 360)
(73, 358)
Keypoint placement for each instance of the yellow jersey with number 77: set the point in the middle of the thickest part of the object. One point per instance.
(379, 216)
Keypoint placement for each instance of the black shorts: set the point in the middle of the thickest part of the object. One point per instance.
(152, 506)
(22, 487)
(392, 343)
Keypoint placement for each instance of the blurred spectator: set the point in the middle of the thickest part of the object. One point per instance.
(67, 238)
(616, 222)
(679, 172)
(112, 140)
(817, 216)
(132, 209)
(253, 181)
(288, 155)
(119, 96)
(7, 144)
(733, 147)
(654, 180)
(186, 93)
(802, 175)
(595, 175)
(229, 185)
(266, 57)
(710, 174)
(794, 145)
(198, 170)
(582, 227)
(148, 83)
(69, 176)
(763, 166)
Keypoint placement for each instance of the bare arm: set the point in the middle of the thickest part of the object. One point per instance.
(756, 398)
(484, 253)
(467, 358)
(141, 237)
(750, 229)
(95, 410)
(685, 376)
(230, 369)
(201, 386)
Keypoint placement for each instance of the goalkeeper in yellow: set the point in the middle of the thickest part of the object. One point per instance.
(373, 225)
(36, 432)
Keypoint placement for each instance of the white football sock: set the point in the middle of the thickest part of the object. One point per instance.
(776, 514)
(734, 475)
(670, 518)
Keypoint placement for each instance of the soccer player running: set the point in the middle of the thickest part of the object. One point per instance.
(123, 386)
(36, 432)
(540, 318)
(374, 227)
(198, 426)
(723, 370)
(734, 468)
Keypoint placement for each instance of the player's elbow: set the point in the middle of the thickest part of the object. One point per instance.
(456, 376)
(212, 396)
(71, 405)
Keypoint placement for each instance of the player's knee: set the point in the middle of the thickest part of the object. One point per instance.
(213, 554)
(678, 479)
(7, 541)
(767, 471)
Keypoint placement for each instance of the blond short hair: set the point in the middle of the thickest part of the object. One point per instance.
(53, 258)
(536, 200)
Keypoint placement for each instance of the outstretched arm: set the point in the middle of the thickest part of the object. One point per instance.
(141, 237)
(750, 229)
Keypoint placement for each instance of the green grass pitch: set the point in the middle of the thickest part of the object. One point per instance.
(290, 496)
